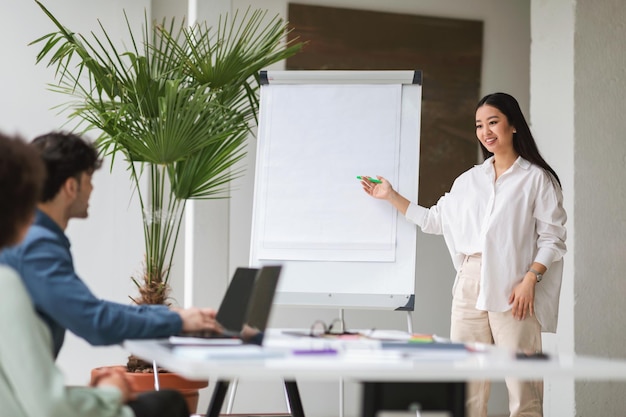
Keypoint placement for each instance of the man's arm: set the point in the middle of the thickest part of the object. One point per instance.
(59, 294)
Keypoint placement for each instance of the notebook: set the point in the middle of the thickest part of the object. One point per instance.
(244, 311)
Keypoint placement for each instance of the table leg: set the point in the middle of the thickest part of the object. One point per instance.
(291, 387)
(217, 400)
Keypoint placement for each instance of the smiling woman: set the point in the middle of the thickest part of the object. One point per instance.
(508, 208)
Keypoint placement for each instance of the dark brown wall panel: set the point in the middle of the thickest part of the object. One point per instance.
(449, 53)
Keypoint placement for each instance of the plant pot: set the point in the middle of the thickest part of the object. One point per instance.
(144, 381)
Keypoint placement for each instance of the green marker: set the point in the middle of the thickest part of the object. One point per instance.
(374, 180)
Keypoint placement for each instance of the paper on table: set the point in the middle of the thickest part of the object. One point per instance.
(200, 341)
(243, 352)
(295, 343)
(398, 335)
(428, 351)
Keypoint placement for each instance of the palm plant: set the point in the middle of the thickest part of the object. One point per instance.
(176, 106)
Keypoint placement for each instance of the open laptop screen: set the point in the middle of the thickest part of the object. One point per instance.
(234, 306)
(261, 304)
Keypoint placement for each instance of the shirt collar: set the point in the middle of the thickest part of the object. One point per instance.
(43, 220)
(487, 166)
(522, 162)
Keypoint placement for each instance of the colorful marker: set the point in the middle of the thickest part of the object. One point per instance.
(374, 180)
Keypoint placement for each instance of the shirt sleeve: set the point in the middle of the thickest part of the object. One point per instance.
(30, 383)
(58, 293)
(551, 218)
(417, 214)
(428, 219)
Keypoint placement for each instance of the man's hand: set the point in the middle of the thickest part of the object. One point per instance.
(198, 319)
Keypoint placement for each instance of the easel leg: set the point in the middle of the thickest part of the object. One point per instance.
(217, 400)
(291, 387)
(409, 322)
(341, 385)
(341, 397)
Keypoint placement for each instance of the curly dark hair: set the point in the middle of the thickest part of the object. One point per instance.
(66, 155)
(22, 174)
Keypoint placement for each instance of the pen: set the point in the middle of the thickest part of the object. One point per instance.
(374, 180)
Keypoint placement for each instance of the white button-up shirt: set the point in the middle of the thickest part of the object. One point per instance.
(513, 221)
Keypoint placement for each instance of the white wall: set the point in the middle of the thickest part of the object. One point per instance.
(506, 64)
(577, 94)
(113, 230)
(600, 196)
(107, 247)
(578, 85)
(552, 122)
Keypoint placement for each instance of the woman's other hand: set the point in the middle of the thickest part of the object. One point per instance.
(522, 298)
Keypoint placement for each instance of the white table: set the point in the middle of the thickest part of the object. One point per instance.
(382, 371)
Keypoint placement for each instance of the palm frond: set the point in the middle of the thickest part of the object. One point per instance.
(176, 105)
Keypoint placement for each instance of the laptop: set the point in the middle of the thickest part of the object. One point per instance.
(261, 303)
(231, 313)
(244, 311)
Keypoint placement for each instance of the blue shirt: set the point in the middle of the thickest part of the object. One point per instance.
(63, 301)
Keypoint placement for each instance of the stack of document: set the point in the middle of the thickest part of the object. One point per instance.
(202, 341)
(239, 353)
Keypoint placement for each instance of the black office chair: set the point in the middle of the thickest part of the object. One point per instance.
(425, 396)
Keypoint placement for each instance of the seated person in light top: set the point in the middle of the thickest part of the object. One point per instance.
(30, 383)
(44, 262)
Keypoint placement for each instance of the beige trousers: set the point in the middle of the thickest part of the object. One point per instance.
(502, 329)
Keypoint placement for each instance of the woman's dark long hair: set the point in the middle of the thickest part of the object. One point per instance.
(523, 141)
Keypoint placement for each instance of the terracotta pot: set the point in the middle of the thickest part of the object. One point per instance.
(143, 382)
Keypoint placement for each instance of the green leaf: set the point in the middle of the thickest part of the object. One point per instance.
(176, 105)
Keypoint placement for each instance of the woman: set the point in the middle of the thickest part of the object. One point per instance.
(503, 222)
(30, 383)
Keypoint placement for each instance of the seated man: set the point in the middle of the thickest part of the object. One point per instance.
(44, 262)
(30, 383)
